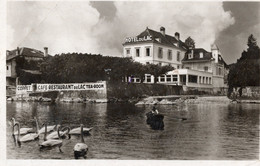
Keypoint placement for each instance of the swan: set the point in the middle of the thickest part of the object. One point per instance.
(13, 135)
(54, 135)
(49, 129)
(51, 142)
(77, 131)
(80, 149)
(27, 137)
(22, 130)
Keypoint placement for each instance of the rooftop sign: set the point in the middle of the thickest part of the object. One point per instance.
(138, 39)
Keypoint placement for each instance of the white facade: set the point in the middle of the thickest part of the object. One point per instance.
(153, 53)
(187, 77)
(151, 47)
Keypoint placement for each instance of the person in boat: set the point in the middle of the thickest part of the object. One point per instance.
(154, 110)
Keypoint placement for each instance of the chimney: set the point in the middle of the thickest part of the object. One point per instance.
(45, 51)
(17, 51)
(162, 30)
(177, 35)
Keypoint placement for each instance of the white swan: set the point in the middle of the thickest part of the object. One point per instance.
(54, 135)
(49, 129)
(27, 137)
(77, 131)
(22, 130)
(51, 142)
(80, 149)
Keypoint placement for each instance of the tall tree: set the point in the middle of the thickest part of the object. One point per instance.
(190, 42)
(246, 71)
(252, 43)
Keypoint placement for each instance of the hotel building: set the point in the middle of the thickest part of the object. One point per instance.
(195, 69)
(156, 48)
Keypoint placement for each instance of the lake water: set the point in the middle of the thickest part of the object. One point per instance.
(211, 131)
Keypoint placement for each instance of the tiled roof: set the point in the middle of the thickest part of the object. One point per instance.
(158, 37)
(196, 55)
(207, 56)
(24, 51)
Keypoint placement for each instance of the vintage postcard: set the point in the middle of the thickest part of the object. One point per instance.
(131, 82)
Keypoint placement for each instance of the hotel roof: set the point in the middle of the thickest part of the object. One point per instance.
(158, 37)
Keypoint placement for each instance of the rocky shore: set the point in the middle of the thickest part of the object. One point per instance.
(171, 100)
(160, 100)
(65, 100)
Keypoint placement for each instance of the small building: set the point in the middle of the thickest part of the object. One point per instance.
(152, 47)
(14, 59)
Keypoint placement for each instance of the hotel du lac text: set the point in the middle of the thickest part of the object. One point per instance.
(130, 80)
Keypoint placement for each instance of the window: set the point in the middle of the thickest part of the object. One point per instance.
(158, 39)
(137, 52)
(128, 51)
(219, 71)
(148, 78)
(168, 78)
(160, 64)
(162, 78)
(170, 54)
(201, 54)
(178, 55)
(174, 77)
(147, 51)
(193, 78)
(7, 67)
(178, 67)
(206, 68)
(160, 53)
(187, 67)
(209, 80)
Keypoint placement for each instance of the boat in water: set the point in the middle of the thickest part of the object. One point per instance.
(155, 120)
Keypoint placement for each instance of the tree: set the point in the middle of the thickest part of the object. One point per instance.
(253, 51)
(74, 67)
(246, 71)
(252, 43)
(190, 42)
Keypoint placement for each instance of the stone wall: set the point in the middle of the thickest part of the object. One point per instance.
(205, 91)
(126, 91)
(247, 92)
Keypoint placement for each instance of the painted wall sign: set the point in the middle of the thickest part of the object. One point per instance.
(138, 39)
(70, 87)
(23, 89)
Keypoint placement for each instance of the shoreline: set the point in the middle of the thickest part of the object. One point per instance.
(192, 99)
(150, 100)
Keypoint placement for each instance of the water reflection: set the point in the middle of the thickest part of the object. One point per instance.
(211, 131)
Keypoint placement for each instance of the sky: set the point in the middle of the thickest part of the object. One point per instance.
(101, 27)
